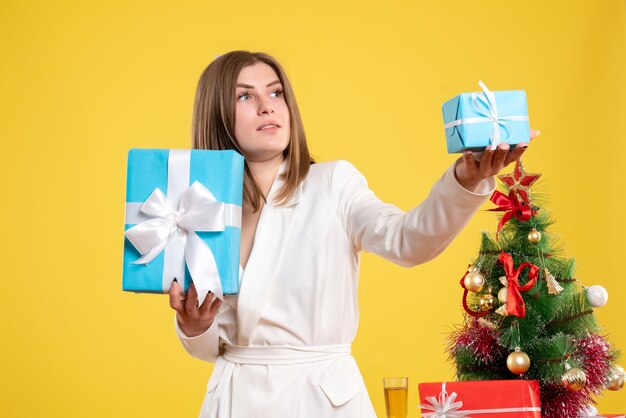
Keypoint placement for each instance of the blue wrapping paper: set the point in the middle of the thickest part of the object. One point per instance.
(475, 115)
(221, 172)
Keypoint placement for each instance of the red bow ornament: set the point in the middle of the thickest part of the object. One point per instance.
(514, 302)
(512, 207)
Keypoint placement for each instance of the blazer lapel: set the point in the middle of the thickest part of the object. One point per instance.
(267, 252)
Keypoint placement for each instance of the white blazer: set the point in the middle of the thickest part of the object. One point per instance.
(282, 346)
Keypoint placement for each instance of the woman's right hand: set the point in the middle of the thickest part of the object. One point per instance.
(192, 319)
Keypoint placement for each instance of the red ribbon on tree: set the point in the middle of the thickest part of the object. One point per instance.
(514, 303)
(512, 207)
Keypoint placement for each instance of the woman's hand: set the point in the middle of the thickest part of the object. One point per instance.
(470, 172)
(192, 319)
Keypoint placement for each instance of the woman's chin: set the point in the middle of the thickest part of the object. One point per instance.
(260, 156)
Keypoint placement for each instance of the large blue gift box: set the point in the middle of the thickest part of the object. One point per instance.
(474, 121)
(183, 220)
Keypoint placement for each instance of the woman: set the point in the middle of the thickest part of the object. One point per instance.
(282, 346)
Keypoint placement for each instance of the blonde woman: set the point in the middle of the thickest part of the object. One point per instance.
(281, 347)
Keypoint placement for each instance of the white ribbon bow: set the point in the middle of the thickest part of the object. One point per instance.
(198, 211)
(444, 406)
(488, 100)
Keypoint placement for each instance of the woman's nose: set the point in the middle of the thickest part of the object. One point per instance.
(265, 107)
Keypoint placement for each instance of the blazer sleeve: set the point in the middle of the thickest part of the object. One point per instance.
(410, 238)
(204, 346)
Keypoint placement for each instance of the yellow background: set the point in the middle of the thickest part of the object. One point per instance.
(82, 82)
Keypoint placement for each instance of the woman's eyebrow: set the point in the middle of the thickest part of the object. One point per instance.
(248, 86)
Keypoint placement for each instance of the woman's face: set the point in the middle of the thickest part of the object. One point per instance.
(261, 114)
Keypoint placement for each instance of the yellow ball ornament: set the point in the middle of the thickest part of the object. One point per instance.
(616, 378)
(518, 362)
(487, 302)
(503, 294)
(474, 281)
(573, 378)
(534, 236)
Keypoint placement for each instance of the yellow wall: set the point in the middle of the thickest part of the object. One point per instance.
(82, 82)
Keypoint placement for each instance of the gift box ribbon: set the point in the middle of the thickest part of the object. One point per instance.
(159, 227)
(444, 406)
(485, 105)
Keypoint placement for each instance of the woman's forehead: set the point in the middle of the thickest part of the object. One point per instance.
(257, 75)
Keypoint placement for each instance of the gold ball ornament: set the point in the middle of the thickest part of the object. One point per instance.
(487, 302)
(534, 236)
(474, 281)
(518, 362)
(503, 294)
(473, 269)
(573, 378)
(616, 378)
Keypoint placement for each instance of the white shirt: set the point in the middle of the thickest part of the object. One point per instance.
(281, 347)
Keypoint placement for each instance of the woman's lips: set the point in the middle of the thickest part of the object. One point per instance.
(269, 130)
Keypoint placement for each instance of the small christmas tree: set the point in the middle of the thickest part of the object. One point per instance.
(527, 317)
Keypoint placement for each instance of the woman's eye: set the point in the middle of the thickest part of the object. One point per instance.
(277, 93)
(243, 97)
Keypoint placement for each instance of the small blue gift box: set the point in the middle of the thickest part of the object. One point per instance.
(183, 220)
(474, 121)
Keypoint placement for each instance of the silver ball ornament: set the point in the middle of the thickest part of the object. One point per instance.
(597, 296)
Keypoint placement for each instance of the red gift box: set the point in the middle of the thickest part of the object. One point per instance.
(506, 398)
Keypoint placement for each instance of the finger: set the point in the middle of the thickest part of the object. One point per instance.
(191, 304)
(516, 153)
(485, 161)
(206, 305)
(465, 167)
(175, 302)
(498, 157)
(215, 307)
(470, 165)
(534, 134)
(468, 158)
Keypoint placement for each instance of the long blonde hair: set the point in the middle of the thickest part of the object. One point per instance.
(213, 125)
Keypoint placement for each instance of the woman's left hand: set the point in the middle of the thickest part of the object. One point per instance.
(469, 172)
